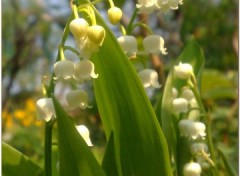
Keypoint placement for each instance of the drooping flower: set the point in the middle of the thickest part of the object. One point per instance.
(96, 34)
(77, 98)
(84, 132)
(128, 44)
(192, 169)
(192, 129)
(179, 105)
(197, 130)
(146, 6)
(114, 15)
(154, 44)
(79, 28)
(183, 70)
(165, 5)
(183, 126)
(149, 77)
(45, 109)
(63, 70)
(84, 70)
(196, 148)
(187, 94)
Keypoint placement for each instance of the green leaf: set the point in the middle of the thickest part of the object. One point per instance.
(75, 157)
(17, 164)
(109, 165)
(193, 55)
(139, 145)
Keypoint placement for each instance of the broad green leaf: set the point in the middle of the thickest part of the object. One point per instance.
(75, 157)
(193, 55)
(17, 164)
(139, 145)
(227, 164)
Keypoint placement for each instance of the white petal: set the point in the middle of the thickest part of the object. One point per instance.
(149, 78)
(63, 69)
(154, 44)
(84, 132)
(45, 109)
(84, 70)
(77, 98)
(128, 44)
(183, 70)
(180, 105)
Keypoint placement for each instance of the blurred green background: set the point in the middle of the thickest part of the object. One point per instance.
(31, 32)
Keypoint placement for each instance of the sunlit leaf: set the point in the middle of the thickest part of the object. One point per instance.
(139, 145)
(17, 164)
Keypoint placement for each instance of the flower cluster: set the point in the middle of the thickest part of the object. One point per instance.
(185, 103)
(149, 6)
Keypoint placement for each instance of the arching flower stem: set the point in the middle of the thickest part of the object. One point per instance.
(130, 24)
(71, 49)
(143, 26)
(192, 83)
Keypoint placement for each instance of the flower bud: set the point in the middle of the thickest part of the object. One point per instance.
(192, 169)
(84, 70)
(154, 44)
(114, 15)
(196, 148)
(183, 126)
(45, 109)
(79, 28)
(187, 94)
(77, 98)
(63, 70)
(149, 78)
(96, 34)
(128, 44)
(195, 113)
(84, 132)
(183, 71)
(180, 105)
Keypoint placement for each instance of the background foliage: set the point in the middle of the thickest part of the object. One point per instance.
(31, 32)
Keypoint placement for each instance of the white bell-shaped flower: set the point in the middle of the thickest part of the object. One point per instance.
(165, 5)
(179, 105)
(77, 98)
(63, 70)
(149, 78)
(196, 148)
(84, 70)
(45, 109)
(79, 28)
(84, 132)
(114, 15)
(183, 70)
(146, 6)
(192, 169)
(154, 44)
(183, 126)
(197, 130)
(128, 44)
(187, 94)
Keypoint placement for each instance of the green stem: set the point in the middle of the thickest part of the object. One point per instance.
(129, 27)
(71, 49)
(48, 149)
(75, 12)
(111, 3)
(142, 25)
